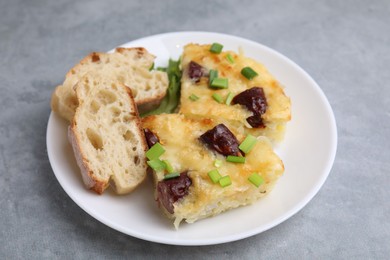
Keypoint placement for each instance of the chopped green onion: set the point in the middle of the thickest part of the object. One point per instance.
(229, 98)
(171, 175)
(155, 151)
(168, 166)
(214, 175)
(212, 75)
(151, 67)
(219, 83)
(230, 58)
(172, 97)
(256, 179)
(216, 48)
(248, 143)
(249, 73)
(217, 163)
(173, 93)
(235, 159)
(193, 97)
(161, 69)
(217, 97)
(156, 164)
(173, 68)
(225, 181)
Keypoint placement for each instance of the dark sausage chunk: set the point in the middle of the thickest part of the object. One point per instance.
(170, 191)
(195, 71)
(256, 121)
(221, 140)
(95, 57)
(255, 101)
(151, 138)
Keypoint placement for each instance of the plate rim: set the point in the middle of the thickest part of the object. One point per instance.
(234, 237)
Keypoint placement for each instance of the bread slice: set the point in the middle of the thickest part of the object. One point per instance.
(200, 197)
(196, 82)
(105, 133)
(130, 66)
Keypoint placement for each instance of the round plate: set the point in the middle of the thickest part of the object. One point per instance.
(308, 152)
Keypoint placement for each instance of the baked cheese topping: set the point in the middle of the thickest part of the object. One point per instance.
(278, 104)
(187, 153)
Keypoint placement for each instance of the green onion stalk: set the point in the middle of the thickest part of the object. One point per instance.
(171, 99)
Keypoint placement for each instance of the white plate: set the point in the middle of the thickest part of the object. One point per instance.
(308, 152)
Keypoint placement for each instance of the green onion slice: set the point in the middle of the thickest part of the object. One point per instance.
(219, 83)
(214, 175)
(230, 58)
(171, 99)
(212, 75)
(171, 175)
(193, 97)
(248, 143)
(156, 164)
(151, 67)
(217, 97)
(249, 73)
(161, 69)
(217, 163)
(168, 166)
(225, 181)
(256, 179)
(216, 48)
(229, 98)
(235, 159)
(155, 151)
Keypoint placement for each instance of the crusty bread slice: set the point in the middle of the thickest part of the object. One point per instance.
(130, 66)
(105, 133)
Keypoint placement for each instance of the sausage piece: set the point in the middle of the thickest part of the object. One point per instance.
(255, 101)
(221, 140)
(171, 190)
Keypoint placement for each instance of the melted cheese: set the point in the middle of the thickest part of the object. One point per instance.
(185, 152)
(278, 110)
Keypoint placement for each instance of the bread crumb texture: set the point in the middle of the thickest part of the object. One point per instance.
(108, 134)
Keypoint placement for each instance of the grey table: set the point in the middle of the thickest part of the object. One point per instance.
(343, 45)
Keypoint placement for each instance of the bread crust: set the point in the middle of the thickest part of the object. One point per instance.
(89, 179)
(90, 57)
(141, 51)
(150, 103)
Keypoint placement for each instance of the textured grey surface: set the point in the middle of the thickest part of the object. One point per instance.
(344, 45)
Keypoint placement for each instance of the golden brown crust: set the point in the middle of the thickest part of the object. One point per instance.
(90, 57)
(278, 104)
(180, 138)
(141, 51)
(54, 99)
(149, 104)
